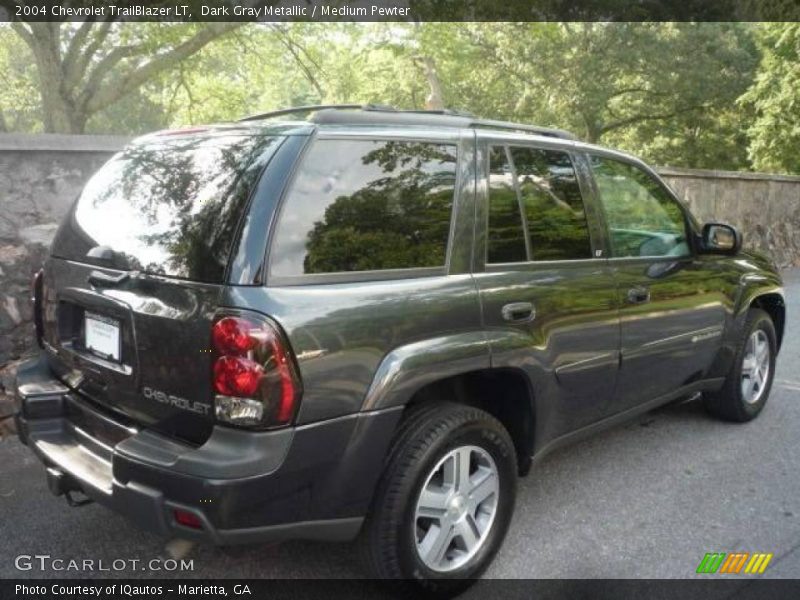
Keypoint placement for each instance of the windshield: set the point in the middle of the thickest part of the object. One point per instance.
(168, 208)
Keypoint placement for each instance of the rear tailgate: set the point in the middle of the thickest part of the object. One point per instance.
(137, 269)
(160, 374)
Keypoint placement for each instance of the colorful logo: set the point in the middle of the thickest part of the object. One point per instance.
(720, 562)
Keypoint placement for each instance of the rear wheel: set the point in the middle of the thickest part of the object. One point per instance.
(749, 381)
(445, 500)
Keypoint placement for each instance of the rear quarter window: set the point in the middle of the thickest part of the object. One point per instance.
(366, 205)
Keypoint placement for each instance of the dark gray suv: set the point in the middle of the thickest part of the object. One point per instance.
(369, 323)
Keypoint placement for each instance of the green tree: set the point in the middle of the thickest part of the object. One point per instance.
(775, 98)
(85, 68)
(18, 95)
(604, 78)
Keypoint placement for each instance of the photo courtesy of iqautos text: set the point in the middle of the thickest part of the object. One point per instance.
(391, 299)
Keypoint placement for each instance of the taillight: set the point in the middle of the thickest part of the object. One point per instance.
(235, 376)
(254, 376)
(37, 284)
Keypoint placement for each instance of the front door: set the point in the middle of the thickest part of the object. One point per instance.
(671, 303)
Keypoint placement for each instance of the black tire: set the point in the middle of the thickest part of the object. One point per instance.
(426, 436)
(729, 403)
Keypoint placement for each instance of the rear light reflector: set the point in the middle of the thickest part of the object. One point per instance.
(187, 519)
(254, 374)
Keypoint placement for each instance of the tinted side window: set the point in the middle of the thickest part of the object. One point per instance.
(642, 218)
(506, 236)
(367, 205)
(553, 204)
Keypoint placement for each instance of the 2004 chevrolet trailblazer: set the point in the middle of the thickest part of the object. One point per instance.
(369, 323)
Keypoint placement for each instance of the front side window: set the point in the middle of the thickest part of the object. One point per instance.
(367, 205)
(536, 210)
(641, 216)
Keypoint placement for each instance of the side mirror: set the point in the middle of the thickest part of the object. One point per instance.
(719, 238)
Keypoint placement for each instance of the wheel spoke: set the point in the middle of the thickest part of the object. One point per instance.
(483, 488)
(450, 472)
(748, 365)
(432, 503)
(434, 550)
(463, 459)
(467, 530)
(762, 352)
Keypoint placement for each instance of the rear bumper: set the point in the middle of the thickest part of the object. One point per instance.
(308, 482)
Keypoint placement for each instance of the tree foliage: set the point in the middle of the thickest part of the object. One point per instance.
(713, 95)
(85, 68)
(775, 97)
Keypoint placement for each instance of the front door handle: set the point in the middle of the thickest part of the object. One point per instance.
(638, 295)
(518, 312)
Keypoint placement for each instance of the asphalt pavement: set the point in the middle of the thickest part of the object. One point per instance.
(644, 500)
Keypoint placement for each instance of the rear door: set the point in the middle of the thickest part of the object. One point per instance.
(672, 305)
(547, 293)
(136, 271)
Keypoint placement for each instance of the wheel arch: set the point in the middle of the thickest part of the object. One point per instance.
(764, 291)
(775, 306)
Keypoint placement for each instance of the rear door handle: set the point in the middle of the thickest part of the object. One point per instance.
(519, 312)
(638, 295)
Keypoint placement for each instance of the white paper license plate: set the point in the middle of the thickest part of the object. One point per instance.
(102, 336)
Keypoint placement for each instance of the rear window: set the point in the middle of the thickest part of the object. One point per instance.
(170, 207)
(366, 205)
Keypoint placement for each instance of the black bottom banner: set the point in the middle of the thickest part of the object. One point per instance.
(484, 589)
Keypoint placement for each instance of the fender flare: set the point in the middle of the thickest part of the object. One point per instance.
(753, 286)
(410, 367)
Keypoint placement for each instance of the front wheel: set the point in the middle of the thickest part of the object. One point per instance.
(445, 500)
(749, 381)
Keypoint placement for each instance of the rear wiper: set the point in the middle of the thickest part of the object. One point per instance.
(100, 279)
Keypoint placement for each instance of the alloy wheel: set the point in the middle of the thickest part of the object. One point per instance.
(755, 367)
(456, 508)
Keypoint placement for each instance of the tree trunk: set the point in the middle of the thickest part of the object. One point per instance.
(593, 129)
(435, 99)
(55, 108)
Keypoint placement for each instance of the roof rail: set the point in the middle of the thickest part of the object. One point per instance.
(302, 109)
(378, 114)
(511, 126)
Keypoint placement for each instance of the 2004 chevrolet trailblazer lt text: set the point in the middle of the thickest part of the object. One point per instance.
(369, 324)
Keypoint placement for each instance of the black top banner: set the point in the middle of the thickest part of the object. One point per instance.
(398, 10)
